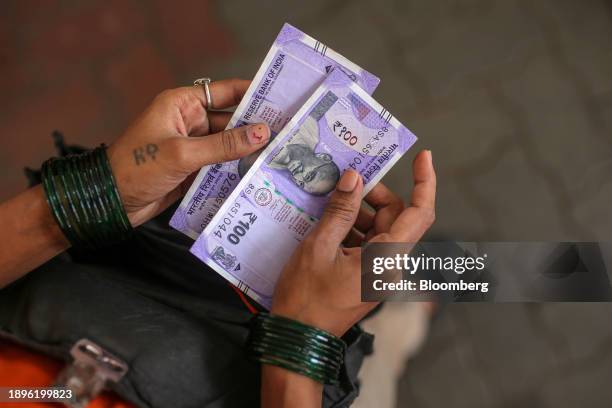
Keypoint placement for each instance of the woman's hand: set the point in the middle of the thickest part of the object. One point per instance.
(153, 159)
(151, 163)
(320, 285)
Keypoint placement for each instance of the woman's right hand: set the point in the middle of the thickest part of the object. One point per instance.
(175, 137)
(320, 284)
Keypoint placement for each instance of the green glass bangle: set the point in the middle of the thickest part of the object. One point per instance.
(113, 190)
(122, 224)
(95, 196)
(80, 219)
(290, 328)
(277, 350)
(84, 200)
(291, 334)
(308, 348)
(88, 200)
(58, 211)
(51, 198)
(315, 358)
(295, 346)
(322, 375)
(68, 199)
(101, 198)
(300, 328)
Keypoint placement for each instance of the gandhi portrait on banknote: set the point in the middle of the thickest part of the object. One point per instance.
(315, 173)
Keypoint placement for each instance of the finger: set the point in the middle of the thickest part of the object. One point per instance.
(387, 204)
(192, 105)
(380, 196)
(353, 239)
(230, 144)
(340, 213)
(365, 220)
(415, 220)
(424, 190)
(218, 120)
(223, 94)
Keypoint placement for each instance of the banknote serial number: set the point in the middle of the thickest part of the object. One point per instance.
(225, 189)
(235, 225)
(367, 149)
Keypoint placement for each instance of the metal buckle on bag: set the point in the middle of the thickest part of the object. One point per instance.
(89, 373)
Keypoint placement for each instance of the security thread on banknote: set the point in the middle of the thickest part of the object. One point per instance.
(284, 193)
(294, 67)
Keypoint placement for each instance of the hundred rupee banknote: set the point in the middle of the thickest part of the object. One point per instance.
(282, 196)
(294, 67)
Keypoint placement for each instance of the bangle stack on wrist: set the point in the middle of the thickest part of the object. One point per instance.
(296, 347)
(84, 199)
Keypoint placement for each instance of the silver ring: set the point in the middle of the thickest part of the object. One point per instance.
(204, 82)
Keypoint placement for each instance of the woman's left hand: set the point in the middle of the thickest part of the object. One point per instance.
(170, 140)
(320, 284)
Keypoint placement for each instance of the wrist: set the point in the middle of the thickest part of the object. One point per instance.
(34, 236)
(47, 225)
(310, 316)
(282, 388)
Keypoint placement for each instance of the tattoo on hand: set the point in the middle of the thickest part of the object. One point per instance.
(141, 153)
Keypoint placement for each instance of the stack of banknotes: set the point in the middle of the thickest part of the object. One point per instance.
(248, 216)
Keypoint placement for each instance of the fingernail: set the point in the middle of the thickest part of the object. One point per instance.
(258, 134)
(348, 181)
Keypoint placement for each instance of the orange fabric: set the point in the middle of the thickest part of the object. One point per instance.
(20, 367)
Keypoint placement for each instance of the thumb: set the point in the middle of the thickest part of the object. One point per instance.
(341, 211)
(228, 145)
